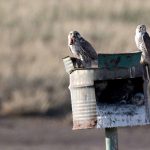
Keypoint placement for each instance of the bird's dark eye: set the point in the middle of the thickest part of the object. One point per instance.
(77, 34)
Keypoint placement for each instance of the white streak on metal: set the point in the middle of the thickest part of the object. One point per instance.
(125, 116)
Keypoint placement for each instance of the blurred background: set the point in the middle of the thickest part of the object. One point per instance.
(35, 106)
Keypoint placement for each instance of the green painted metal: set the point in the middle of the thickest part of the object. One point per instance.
(111, 138)
(121, 60)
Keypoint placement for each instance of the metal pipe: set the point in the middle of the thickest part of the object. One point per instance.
(111, 138)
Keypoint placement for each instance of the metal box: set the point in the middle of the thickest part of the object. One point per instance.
(121, 60)
(93, 103)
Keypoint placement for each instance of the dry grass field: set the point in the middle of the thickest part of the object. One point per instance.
(33, 41)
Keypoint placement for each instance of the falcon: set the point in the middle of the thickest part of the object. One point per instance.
(81, 49)
(142, 41)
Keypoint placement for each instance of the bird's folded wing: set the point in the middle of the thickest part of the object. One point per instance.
(88, 49)
(146, 39)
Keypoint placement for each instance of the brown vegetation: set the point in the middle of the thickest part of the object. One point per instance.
(34, 39)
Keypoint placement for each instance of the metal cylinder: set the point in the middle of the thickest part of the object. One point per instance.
(83, 99)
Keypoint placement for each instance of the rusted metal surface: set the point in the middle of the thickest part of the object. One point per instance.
(106, 74)
(125, 60)
(85, 124)
(83, 99)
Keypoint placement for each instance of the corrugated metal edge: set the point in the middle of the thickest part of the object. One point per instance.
(68, 64)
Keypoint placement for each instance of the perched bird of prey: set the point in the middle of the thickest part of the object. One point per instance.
(142, 41)
(81, 49)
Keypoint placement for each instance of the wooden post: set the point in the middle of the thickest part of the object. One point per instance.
(111, 138)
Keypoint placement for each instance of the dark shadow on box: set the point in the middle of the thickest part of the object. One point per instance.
(118, 90)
